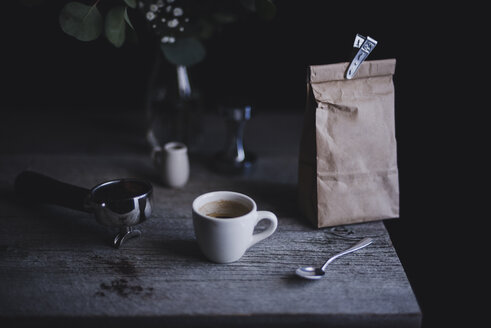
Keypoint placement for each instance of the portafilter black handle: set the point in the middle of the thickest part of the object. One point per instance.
(35, 187)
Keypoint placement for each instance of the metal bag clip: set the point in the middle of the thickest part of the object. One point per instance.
(365, 46)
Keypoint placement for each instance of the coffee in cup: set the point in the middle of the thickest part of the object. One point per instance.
(224, 223)
(224, 209)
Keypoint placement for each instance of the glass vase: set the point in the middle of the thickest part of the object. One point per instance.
(174, 107)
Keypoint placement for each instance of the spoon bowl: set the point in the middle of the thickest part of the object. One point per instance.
(313, 273)
(310, 273)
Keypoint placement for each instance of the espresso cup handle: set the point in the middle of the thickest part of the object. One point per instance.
(264, 215)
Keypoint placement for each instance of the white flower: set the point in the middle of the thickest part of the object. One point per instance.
(168, 39)
(177, 12)
(154, 8)
(160, 3)
(150, 16)
(173, 23)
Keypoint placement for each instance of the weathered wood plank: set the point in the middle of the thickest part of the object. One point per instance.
(57, 264)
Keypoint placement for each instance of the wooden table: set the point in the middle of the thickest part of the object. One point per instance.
(57, 266)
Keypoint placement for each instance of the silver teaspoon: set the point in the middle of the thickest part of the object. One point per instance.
(317, 273)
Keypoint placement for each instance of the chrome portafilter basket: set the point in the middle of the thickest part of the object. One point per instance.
(119, 203)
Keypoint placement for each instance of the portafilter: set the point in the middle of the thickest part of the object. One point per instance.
(120, 203)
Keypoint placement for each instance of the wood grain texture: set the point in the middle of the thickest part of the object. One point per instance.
(57, 266)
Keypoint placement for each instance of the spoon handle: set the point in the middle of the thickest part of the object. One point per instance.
(362, 243)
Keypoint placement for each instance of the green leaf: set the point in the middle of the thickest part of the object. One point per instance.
(185, 51)
(115, 26)
(265, 9)
(81, 21)
(127, 19)
(131, 3)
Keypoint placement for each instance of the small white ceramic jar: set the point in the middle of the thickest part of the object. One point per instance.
(173, 163)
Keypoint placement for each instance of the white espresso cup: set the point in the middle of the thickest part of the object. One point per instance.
(224, 224)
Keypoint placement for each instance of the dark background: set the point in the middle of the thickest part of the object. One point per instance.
(265, 62)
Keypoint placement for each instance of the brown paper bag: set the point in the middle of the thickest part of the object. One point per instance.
(348, 162)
